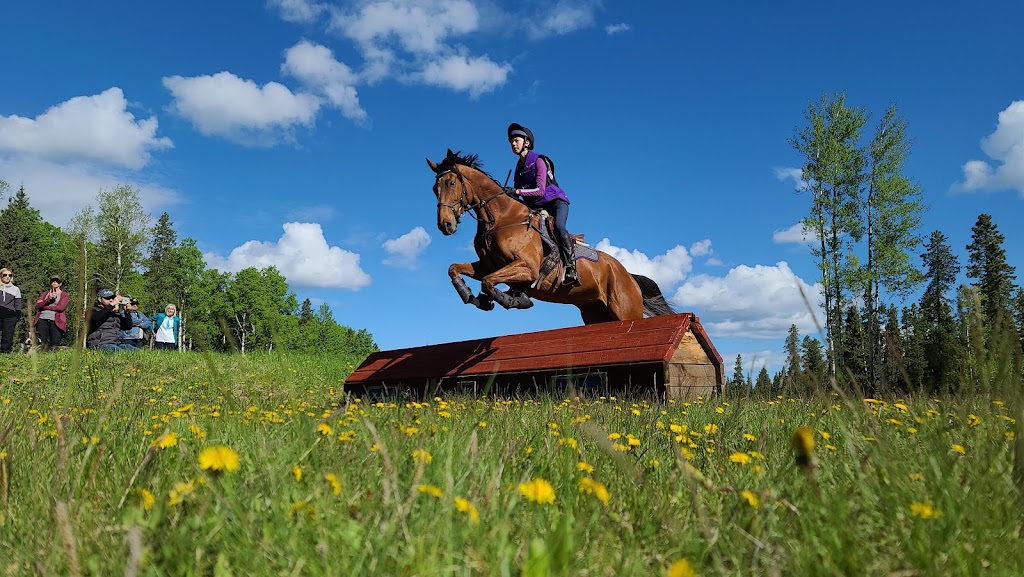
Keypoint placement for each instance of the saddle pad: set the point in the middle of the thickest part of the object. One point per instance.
(586, 251)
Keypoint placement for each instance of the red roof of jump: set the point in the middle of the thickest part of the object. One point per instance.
(652, 339)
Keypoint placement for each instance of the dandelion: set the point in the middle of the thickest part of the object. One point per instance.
(711, 428)
(614, 436)
(410, 430)
(482, 424)
(334, 482)
(219, 458)
(568, 442)
(466, 507)
(973, 420)
(147, 498)
(300, 507)
(324, 429)
(916, 477)
(749, 437)
(538, 491)
(654, 463)
(678, 429)
(297, 473)
(958, 449)
(803, 446)
(347, 437)
(180, 491)
(167, 440)
(585, 467)
(741, 458)
(681, 568)
(421, 456)
(924, 510)
(431, 490)
(589, 486)
(750, 498)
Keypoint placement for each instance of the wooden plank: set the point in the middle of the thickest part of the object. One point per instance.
(690, 351)
(691, 375)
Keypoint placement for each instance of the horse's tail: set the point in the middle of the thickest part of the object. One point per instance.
(654, 302)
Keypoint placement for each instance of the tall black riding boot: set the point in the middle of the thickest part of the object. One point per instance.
(571, 278)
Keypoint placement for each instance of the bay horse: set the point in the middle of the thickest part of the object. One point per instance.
(509, 245)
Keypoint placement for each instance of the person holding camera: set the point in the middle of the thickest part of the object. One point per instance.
(106, 321)
(10, 309)
(50, 321)
(140, 322)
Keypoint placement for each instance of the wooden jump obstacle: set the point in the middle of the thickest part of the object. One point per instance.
(668, 356)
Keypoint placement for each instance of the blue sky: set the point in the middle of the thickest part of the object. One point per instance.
(294, 133)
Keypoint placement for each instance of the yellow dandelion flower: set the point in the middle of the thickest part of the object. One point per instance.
(466, 507)
(585, 467)
(741, 458)
(334, 482)
(538, 491)
(614, 436)
(750, 498)
(973, 420)
(958, 449)
(297, 473)
(197, 431)
(681, 568)
(180, 491)
(894, 422)
(300, 507)
(324, 429)
(825, 435)
(482, 424)
(589, 486)
(654, 463)
(347, 436)
(431, 490)
(147, 498)
(620, 447)
(916, 477)
(410, 430)
(218, 458)
(422, 456)
(803, 446)
(679, 429)
(568, 442)
(924, 510)
(749, 437)
(166, 441)
(711, 428)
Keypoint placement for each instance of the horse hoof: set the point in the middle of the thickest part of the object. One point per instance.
(483, 302)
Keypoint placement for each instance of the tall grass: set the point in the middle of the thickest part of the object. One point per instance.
(327, 485)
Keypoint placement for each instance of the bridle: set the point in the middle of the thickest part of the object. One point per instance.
(467, 207)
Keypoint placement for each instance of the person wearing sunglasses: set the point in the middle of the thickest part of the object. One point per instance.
(10, 309)
(50, 321)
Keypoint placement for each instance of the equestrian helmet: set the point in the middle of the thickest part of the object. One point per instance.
(516, 129)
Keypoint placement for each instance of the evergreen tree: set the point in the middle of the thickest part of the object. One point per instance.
(905, 362)
(941, 267)
(161, 263)
(763, 384)
(24, 249)
(815, 369)
(306, 312)
(987, 264)
(833, 167)
(855, 351)
(737, 387)
(791, 371)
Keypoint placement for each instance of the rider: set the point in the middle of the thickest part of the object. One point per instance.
(532, 183)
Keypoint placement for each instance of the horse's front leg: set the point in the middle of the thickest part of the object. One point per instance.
(470, 269)
(518, 271)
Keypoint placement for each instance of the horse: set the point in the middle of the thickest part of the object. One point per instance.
(511, 251)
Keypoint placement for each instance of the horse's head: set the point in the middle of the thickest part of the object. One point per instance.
(454, 196)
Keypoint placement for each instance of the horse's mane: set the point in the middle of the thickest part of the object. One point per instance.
(471, 160)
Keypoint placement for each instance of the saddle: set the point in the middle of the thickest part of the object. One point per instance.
(545, 225)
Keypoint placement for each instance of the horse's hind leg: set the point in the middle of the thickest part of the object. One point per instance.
(594, 313)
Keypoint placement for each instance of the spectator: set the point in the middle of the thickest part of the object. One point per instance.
(140, 323)
(10, 309)
(106, 321)
(50, 321)
(165, 326)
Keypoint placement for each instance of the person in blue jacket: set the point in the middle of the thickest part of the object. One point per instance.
(166, 326)
(535, 183)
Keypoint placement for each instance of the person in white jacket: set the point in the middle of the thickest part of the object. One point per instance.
(10, 309)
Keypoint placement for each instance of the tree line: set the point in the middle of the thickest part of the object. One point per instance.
(115, 244)
(865, 216)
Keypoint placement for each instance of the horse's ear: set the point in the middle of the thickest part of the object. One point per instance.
(431, 164)
(451, 154)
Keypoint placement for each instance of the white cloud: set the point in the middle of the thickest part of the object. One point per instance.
(795, 175)
(1005, 146)
(701, 248)
(303, 257)
(95, 128)
(404, 251)
(613, 29)
(300, 11)
(563, 18)
(465, 74)
(240, 110)
(795, 235)
(418, 26)
(713, 262)
(752, 302)
(753, 361)
(666, 269)
(314, 65)
(59, 191)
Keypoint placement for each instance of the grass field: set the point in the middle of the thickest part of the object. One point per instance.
(188, 464)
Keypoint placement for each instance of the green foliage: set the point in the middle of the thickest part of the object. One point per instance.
(122, 227)
(987, 265)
